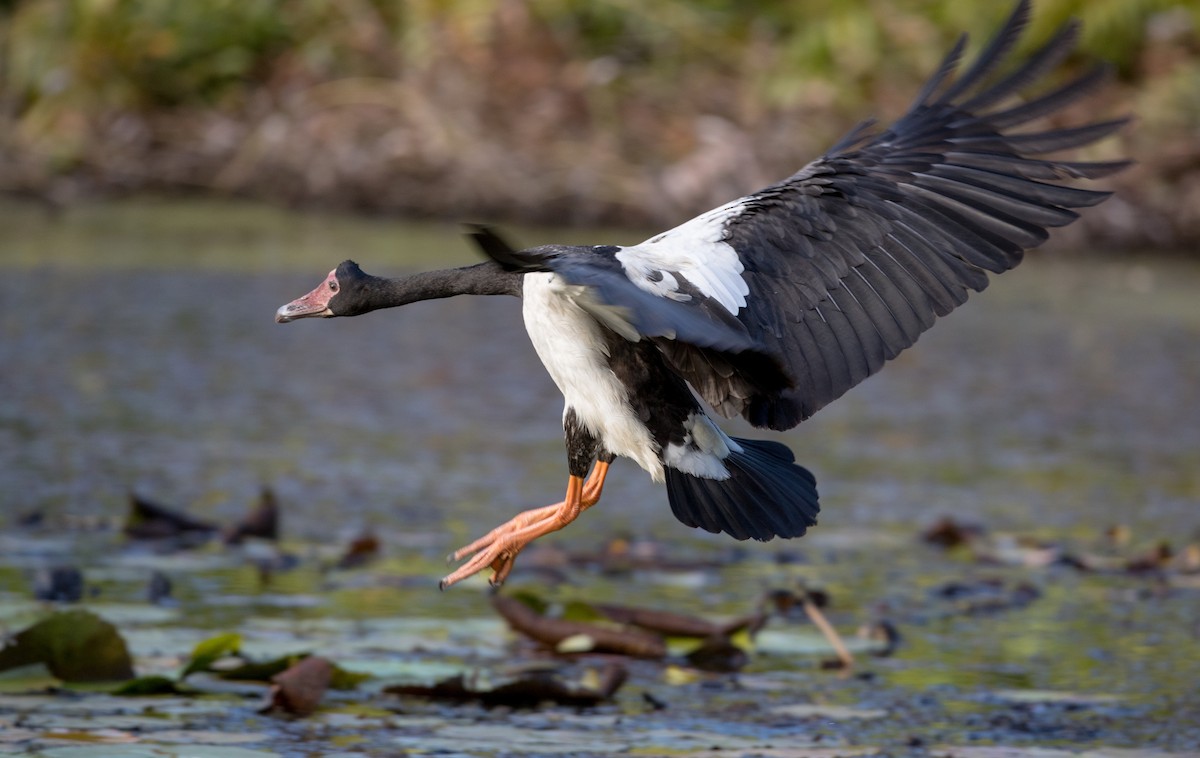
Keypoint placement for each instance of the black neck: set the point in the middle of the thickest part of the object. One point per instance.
(371, 293)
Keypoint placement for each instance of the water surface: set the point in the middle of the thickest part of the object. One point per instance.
(139, 353)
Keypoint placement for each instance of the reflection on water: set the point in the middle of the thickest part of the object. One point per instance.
(139, 352)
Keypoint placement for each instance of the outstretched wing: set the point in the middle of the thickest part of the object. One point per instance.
(840, 267)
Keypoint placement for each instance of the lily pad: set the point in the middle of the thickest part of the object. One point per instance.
(76, 646)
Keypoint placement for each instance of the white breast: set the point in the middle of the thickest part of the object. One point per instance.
(571, 346)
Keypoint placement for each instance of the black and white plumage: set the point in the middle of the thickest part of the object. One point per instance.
(775, 304)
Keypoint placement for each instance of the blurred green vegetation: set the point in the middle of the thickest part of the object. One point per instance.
(566, 110)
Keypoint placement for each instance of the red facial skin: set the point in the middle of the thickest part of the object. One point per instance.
(315, 303)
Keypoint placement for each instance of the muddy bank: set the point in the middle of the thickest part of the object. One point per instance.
(536, 112)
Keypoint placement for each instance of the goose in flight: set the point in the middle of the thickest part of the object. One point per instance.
(775, 304)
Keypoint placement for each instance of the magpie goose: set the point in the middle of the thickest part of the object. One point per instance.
(775, 304)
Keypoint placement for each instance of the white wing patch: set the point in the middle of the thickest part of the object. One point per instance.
(697, 251)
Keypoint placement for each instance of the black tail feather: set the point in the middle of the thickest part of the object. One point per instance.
(494, 246)
(766, 495)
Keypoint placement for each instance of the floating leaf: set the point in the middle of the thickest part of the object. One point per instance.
(265, 671)
(577, 610)
(677, 676)
(344, 679)
(150, 685)
(527, 691)
(210, 651)
(299, 689)
(949, 532)
(671, 624)
(718, 654)
(362, 550)
(884, 634)
(149, 520)
(77, 646)
(261, 671)
(262, 521)
(535, 603)
(551, 632)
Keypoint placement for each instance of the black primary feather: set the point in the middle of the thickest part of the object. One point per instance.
(853, 257)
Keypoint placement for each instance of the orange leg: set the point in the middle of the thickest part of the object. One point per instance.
(499, 547)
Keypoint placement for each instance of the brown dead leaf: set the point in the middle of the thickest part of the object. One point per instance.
(1118, 535)
(1154, 560)
(1188, 560)
(362, 550)
(551, 632)
(148, 520)
(789, 603)
(948, 532)
(1028, 552)
(718, 654)
(299, 689)
(671, 624)
(1158, 560)
(988, 595)
(883, 632)
(261, 522)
